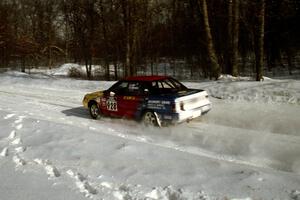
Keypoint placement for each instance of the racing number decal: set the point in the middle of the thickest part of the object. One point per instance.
(111, 104)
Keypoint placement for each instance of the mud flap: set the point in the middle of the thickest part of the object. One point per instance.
(158, 122)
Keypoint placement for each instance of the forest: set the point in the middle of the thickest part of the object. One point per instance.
(206, 37)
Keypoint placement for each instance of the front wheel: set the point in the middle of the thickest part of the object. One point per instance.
(151, 119)
(94, 111)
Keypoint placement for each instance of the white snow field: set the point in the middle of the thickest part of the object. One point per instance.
(247, 147)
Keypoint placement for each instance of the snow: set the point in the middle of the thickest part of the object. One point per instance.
(4, 152)
(64, 69)
(247, 147)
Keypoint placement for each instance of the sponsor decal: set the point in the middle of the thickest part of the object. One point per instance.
(103, 102)
(129, 98)
(167, 117)
(98, 99)
(111, 104)
(166, 102)
(157, 104)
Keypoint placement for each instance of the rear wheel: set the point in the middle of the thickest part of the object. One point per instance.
(94, 110)
(151, 119)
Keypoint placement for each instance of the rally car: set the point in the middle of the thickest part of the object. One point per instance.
(154, 100)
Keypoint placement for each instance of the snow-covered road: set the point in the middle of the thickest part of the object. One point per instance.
(247, 146)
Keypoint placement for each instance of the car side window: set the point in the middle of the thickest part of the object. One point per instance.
(120, 88)
(154, 89)
(167, 84)
(134, 88)
(177, 84)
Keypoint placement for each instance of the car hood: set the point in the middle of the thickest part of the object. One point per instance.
(91, 96)
(94, 94)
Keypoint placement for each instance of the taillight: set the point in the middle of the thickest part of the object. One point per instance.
(173, 107)
(181, 106)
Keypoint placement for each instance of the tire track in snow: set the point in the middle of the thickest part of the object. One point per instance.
(15, 141)
(44, 99)
(12, 135)
(194, 150)
(150, 140)
(8, 116)
(4, 152)
(88, 188)
(50, 169)
(170, 145)
(18, 160)
(109, 190)
(82, 183)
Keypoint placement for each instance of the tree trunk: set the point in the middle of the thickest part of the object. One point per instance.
(88, 69)
(290, 55)
(259, 50)
(50, 56)
(229, 56)
(105, 37)
(235, 38)
(215, 67)
(127, 53)
(126, 22)
(134, 45)
(23, 64)
(152, 68)
(116, 70)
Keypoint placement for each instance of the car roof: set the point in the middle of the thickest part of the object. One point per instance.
(145, 78)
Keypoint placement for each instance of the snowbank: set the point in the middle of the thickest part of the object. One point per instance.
(64, 69)
(246, 148)
(243, 89)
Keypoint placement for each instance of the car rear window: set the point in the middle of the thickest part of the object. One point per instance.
(166, 86)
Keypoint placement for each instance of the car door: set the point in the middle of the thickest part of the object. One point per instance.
(130, 102)
(111, 99)
(122, 100)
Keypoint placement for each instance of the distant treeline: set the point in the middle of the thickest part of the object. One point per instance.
(210, 36)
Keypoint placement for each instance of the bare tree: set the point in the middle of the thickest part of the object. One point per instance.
(235, 37)
(259, 44)
(129, 31)
(5, 34)
(134, 33)
(213, 59)
(105, 33)
(81, 16)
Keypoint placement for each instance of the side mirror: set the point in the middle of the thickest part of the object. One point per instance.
(146, 91)
(111, 93)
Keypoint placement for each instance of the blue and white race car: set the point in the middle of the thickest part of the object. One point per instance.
(155, 100)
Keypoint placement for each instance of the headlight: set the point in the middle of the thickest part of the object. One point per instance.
(98, 99)
(84, 98)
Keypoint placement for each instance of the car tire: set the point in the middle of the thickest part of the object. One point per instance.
(94, 110)
(151, 119)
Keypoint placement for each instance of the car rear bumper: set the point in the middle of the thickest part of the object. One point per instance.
(184, 116)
